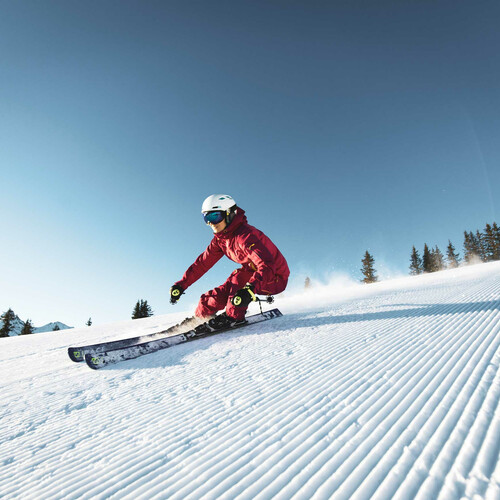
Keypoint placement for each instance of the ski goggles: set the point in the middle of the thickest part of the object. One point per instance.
(214, 217)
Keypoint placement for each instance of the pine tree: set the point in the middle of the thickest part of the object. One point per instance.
(480, 245)
(470, 248)
(368, 270)
(491, 247)
(146, 310)
(307, 283)
(473, 246)
(136, 313)
(427, 260)
(28, 328)
(142, 310)
(468, 254)
(496, 237)
(452, 257)
(7, 318)
(89, 322)
(415, 262)
(437, 259)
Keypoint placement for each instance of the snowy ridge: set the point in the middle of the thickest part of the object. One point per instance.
(392, 392)
(18, 325)
(49, 327)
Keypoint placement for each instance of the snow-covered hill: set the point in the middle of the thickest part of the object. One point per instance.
(359, 392)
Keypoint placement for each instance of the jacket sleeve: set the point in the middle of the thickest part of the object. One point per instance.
(262, 258)
(201, 265)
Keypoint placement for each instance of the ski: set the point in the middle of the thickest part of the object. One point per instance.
(97, 360)
(77, 354)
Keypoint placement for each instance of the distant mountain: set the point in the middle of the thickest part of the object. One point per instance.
(19, 323)
(50, 326)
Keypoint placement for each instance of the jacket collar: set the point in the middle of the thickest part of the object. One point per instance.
(238, 219)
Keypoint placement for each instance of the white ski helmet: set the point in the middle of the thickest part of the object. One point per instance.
(215, 202)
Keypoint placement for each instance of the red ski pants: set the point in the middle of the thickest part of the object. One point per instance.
(220, 297)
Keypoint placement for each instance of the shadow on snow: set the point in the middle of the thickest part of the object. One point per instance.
(415, 311)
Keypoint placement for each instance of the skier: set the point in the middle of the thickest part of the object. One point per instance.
(264, 269)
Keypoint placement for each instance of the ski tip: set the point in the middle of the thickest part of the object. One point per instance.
(76, 354)
(94, 361)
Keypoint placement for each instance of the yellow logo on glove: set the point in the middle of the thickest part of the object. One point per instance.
(237, 301)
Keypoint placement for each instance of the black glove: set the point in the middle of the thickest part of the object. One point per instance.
(244, 296)
(175, 293)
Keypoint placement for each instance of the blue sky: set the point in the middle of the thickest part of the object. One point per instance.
(338, 126)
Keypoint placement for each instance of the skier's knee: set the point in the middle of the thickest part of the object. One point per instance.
(209, 304)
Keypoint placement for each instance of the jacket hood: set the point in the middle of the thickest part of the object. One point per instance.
(238, 219)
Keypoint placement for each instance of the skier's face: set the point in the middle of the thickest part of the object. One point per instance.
(217, 228)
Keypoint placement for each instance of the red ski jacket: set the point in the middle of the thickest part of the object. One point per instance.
(243, 244)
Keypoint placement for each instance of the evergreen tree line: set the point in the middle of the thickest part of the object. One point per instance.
(478, 247)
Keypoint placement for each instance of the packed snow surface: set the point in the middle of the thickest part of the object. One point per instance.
(375, 391)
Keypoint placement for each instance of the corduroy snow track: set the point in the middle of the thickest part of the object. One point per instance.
(361, 392)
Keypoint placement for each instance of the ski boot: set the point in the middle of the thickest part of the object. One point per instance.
(220, 322)
(224, 321)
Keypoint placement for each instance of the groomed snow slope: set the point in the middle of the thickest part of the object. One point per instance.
(382, 391)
